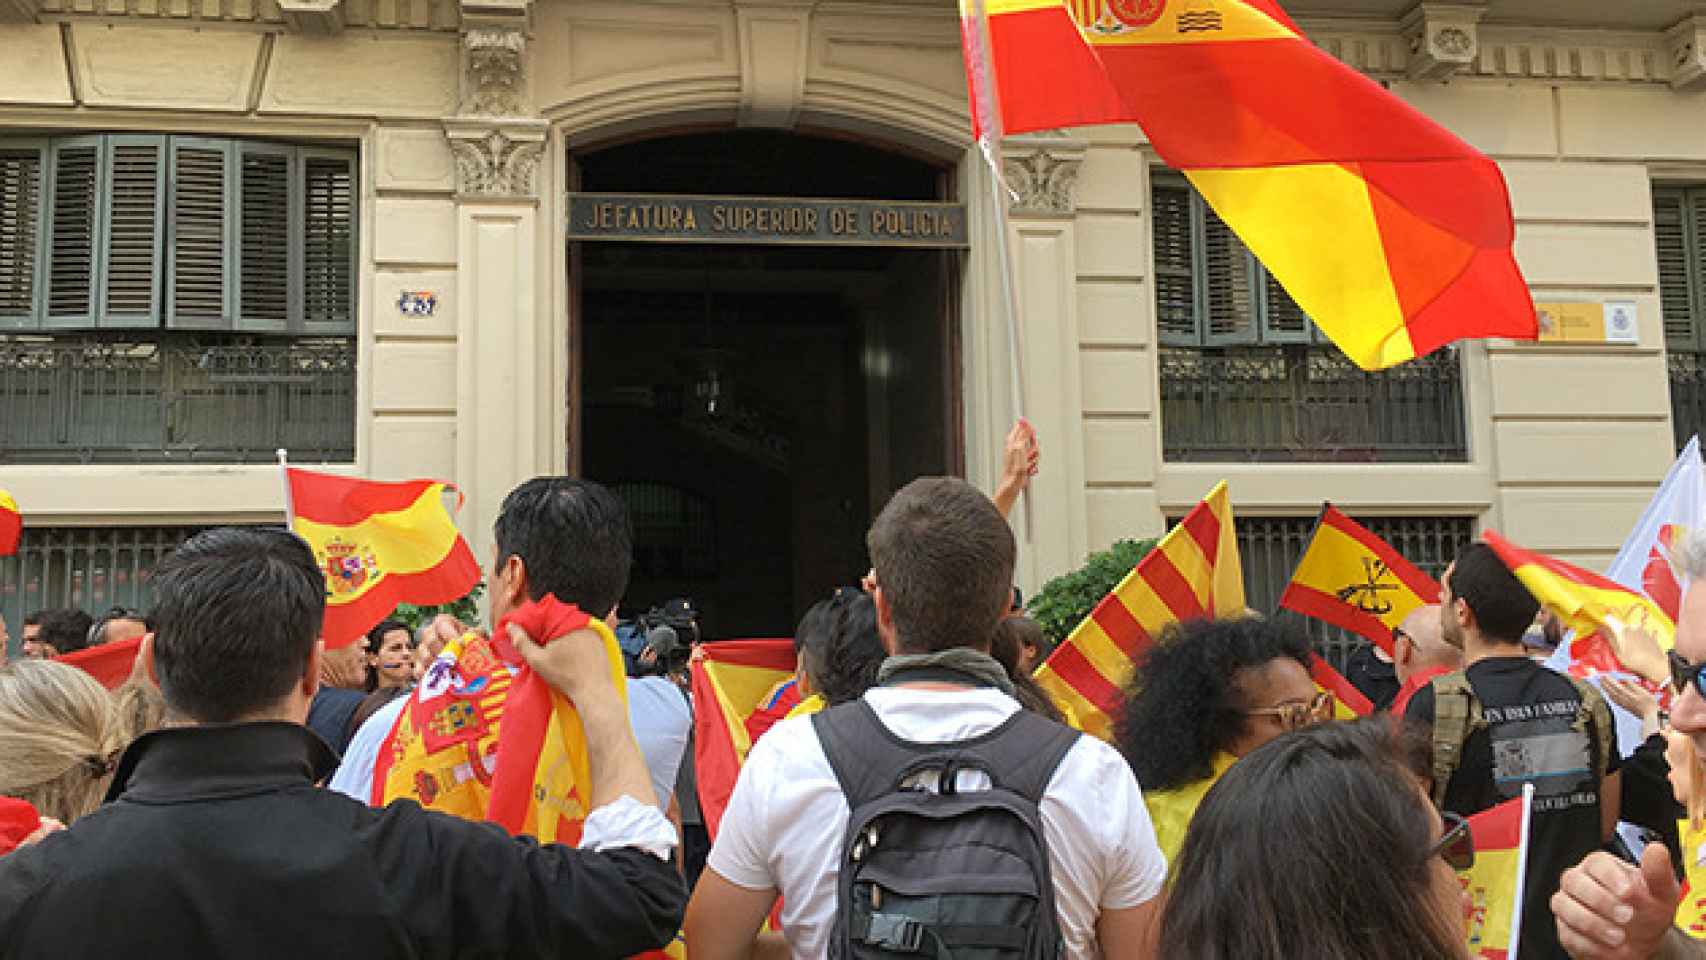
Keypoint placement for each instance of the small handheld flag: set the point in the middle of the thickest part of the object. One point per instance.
(1495, 883)
(1352, 579)
(730, 686)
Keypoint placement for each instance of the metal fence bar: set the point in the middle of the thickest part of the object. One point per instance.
(1309, 403)
(168, 398)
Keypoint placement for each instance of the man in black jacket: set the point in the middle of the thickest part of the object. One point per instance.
(217, 841)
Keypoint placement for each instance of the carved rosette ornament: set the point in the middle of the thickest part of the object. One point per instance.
(496, 158)
(1043, 175)
(1443, 38)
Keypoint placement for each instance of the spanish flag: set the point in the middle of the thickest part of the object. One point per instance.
(1354, 580)
(1691, 909)
(1587, 602)
(1192, 573)
(1495, 883)
(11, 525)
(1348, 701)
(1390, 232)
(732, 687)
(379, 545)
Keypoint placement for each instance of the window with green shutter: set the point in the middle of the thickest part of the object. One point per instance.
(1679, 219)
(151, 231)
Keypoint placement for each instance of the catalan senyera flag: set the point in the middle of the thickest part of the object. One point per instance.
(1495, 883)
(1389, 231)
(1193, 572)
(1352, 579)
(379, 544)
(731, 686)
(11, 525)
(1586, 601)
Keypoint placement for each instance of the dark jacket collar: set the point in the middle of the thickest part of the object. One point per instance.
(220, 760)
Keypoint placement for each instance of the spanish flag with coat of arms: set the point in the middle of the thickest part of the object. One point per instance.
(379, 544)
(1494, 885)
(1389, 231)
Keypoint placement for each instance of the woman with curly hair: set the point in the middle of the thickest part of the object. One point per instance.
(1209, 692)
(1322, 844)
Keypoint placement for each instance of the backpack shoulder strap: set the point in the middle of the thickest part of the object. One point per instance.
(1594, 707)
(1457, 714)
(1023, 753)
(868, 760)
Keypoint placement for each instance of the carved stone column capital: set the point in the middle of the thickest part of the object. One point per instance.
(496, 158)
(1444, 38)
(1042, 172)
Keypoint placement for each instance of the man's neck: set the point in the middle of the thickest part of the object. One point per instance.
(1478, 648)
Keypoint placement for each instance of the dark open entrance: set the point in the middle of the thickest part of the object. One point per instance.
(756, 404)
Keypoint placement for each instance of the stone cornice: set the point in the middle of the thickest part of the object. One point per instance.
(1506, 52)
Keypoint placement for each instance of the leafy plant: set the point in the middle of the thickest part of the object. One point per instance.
(1063, 603)
(466, 609)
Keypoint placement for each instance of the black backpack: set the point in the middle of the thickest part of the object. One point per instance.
(950, 874)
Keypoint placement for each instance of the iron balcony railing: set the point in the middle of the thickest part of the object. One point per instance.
(166, 399)
(1687, 395)
(1309, 403)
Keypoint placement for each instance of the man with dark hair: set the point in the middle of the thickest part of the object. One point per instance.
(117, 625)
(56, 633)
(942, 580)
(1505, 721)
(217, 825)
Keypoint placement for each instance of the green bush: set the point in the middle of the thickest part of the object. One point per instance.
(1063, 603)
(466, 610)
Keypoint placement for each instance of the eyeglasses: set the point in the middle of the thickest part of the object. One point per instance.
(1297, 714)
(1456, 846)
(1684, 674)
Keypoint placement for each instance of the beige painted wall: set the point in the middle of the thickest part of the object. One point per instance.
(1566, 442)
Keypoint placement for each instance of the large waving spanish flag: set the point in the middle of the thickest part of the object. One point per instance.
(1587, 602)
(379, 545)
(740, 687)
(1352, 579)
(1193, 572)
(1390, 232)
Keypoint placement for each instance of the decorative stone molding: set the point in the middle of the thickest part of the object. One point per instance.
(1042, 172)
(1506, 52)
(1686, 44)
(773, 53)
(496, 158)
(323, 17)
(1443, 38)
(494, 72)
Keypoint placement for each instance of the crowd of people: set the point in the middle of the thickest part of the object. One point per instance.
(918, 794)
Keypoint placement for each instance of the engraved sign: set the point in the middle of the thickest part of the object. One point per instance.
(810, 222)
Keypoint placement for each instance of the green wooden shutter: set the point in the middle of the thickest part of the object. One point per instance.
(76, 181)
(1672, 236)
(23, 198)
(329, 200)
(1228, 281)
(201, 234)
(133, 234)
(1175, 283)
(1283, 321)
(267, 275)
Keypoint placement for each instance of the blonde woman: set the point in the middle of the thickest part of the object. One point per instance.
(63, 738)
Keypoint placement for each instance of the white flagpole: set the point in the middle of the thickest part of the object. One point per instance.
(284, 477)
(982, 71)
(1522, 867)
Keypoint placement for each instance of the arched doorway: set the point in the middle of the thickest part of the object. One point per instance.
(757, 401)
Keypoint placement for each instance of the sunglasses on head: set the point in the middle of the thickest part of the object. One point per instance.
(1684, 674)
(1298, 714)
(1456, 846)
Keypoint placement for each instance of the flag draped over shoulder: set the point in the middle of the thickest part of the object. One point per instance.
(1495, 883)
(485, 742)
(1193, 572)
(1586, 601)
(1389, 231)
(1352, 579)
(11, 525)
(735, 686)
(379, 544)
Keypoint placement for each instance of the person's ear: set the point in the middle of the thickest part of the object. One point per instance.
(610, 619)
(513, 581)
(885, 620)
(311, 676)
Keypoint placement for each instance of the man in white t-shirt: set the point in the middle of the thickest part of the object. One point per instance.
(943, 573)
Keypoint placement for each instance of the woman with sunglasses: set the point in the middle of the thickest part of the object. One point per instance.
(1209, 692)
(1322, 844)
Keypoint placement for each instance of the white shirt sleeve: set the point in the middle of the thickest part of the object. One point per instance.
(1137, 870)
(628, 823)
(741, 853)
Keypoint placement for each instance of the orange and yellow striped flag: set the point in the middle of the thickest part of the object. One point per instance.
(1193, 572)
(1352, 579)
(379, 545)
(1495, 883)
(1389, 231)
(732, 685)
(11, 525)
(1587, 602)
